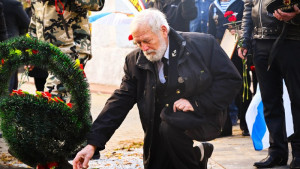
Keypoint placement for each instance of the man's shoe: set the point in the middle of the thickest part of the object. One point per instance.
(206, 150)
(271, 161)
(295, 164)
(245, 133)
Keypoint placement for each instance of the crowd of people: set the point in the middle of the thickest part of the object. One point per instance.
(184, 84)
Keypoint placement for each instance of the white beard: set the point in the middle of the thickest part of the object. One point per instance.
(159, 53)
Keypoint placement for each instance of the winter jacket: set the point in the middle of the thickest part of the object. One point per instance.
(16, 18)
(258, 23)
(3, 33)
(65, 26)
(179, 13)
(210, 79)
(217, 20)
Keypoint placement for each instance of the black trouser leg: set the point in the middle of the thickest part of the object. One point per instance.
(179, 147)
(39, 83)
(289, 59)
(13, 83)
(270, 83)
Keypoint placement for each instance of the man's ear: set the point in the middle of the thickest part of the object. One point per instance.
(164, 30)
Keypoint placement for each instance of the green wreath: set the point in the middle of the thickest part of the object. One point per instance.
(38, 129)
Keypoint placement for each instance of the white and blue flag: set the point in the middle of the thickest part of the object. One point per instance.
(256, 121)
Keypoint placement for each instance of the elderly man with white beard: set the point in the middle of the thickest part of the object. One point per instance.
(181, 83)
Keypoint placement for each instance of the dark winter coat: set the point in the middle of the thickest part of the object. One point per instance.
(179, 13)
(3, 33)
(211, 82)
(217, 20)
(257, 17)
(16, 18)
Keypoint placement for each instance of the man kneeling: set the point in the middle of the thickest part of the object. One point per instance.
(182, 84)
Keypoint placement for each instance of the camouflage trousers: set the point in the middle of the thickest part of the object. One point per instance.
(56, 88)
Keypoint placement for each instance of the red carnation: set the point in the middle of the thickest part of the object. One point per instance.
(228, 13)
(232, 18)
(252, 68)
(130, 37)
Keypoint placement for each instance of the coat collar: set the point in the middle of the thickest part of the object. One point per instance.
(218, 4)
(144, 63)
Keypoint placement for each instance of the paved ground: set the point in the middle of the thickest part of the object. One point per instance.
(234, 152)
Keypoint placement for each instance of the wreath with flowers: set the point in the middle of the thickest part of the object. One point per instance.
(40, 130)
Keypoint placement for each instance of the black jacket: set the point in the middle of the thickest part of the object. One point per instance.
(3, 33)
(211, 82)
(16, 18)
(256, 17)
(179, 12)
(216, 19)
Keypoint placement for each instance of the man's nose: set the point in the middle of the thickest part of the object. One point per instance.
(144, 47)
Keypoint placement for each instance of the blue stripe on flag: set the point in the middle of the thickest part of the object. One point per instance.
(259, 128)
(98, 16)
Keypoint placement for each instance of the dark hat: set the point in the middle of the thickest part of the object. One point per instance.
(284, 5)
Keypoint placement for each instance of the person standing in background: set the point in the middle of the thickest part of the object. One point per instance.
(17, 22)
(3, 32)
(216, 27)
(179, 12)
(200, 24)
(65, 25)
(275, 37)
(37, 73)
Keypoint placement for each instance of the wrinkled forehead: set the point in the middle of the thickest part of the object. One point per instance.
(141, 31)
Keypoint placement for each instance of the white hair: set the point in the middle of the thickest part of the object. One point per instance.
(152, 17)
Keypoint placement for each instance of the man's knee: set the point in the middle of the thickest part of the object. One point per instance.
(168, 130)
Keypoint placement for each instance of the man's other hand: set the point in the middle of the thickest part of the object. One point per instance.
(81, 161)
(286, 16)
(182, 105)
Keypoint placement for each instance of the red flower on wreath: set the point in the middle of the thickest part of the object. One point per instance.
(35, 51)
(57, 99)
(2, 61)
(70, 105)
(81, 67)
(228, 13)
(52, 165)
(18, 92)
(40, 167)
(46, 94)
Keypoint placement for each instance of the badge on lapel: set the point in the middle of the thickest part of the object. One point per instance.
(174, 53)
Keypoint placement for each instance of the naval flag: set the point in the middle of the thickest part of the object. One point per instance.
(256, 121)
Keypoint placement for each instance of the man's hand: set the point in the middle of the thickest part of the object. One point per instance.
(29, 67)
(242, 52)
(83, 157)
(286, 16)
(182, 105)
